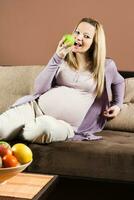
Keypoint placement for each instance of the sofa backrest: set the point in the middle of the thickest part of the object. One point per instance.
(15, 82)
(18, 81)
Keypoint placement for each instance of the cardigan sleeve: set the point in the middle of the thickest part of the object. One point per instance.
(117, 86)
(44, 80)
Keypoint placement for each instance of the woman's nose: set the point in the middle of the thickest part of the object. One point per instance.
(80, 37)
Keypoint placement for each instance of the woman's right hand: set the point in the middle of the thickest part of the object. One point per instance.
(63, 48)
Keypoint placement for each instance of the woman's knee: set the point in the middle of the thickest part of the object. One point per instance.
(36, 128)
(46, 129)
(9, 125)
(3, 134)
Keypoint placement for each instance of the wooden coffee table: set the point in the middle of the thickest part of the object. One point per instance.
(27, 186)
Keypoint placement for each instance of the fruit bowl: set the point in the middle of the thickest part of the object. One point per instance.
(8, 172)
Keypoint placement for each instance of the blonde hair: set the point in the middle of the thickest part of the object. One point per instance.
(97, 55)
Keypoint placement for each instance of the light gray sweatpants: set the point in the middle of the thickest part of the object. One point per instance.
(32, 125)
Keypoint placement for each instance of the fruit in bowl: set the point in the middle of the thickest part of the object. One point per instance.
(22, 152)
(5, 148)
(13, 159)
(0, 162)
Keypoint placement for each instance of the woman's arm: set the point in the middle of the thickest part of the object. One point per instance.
(118, 89)
(43, 82)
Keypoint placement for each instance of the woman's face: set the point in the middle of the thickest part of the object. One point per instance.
(83, 35)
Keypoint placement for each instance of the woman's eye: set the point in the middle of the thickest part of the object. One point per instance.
(86, 36)
(77, 32)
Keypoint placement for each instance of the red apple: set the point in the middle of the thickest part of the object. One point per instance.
(0, 162)
(5, 148)
(5, 143)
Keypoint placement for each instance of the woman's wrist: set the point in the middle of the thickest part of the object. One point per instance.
(60, 55)
(57, 58)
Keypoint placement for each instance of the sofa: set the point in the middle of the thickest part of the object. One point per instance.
(111, 158)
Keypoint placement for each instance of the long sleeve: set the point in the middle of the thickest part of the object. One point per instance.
(118, 87)
(43, 82)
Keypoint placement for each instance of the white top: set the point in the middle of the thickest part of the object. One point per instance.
(71, 98)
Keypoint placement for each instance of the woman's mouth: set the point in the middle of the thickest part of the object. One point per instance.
(77, 44)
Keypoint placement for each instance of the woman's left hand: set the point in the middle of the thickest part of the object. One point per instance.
(112, 111)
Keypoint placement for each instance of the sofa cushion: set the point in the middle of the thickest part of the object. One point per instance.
(125, 120)
(109, 158)
(15, 82)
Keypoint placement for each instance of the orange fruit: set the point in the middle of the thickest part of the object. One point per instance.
(10, 161)
(22, 152)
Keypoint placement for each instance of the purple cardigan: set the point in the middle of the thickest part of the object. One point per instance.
(94, 121)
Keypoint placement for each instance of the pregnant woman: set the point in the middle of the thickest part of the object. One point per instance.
(71, 94)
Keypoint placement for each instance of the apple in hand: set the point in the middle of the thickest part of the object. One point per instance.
(5, 148)
(69, 39)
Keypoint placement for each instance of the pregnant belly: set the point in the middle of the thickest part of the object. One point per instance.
(65, 103)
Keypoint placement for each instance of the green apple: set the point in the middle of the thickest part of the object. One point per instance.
(69, 39)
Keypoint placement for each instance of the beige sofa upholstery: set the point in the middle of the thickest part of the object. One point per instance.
(15, 82)
(110, 158)
(125, 120)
